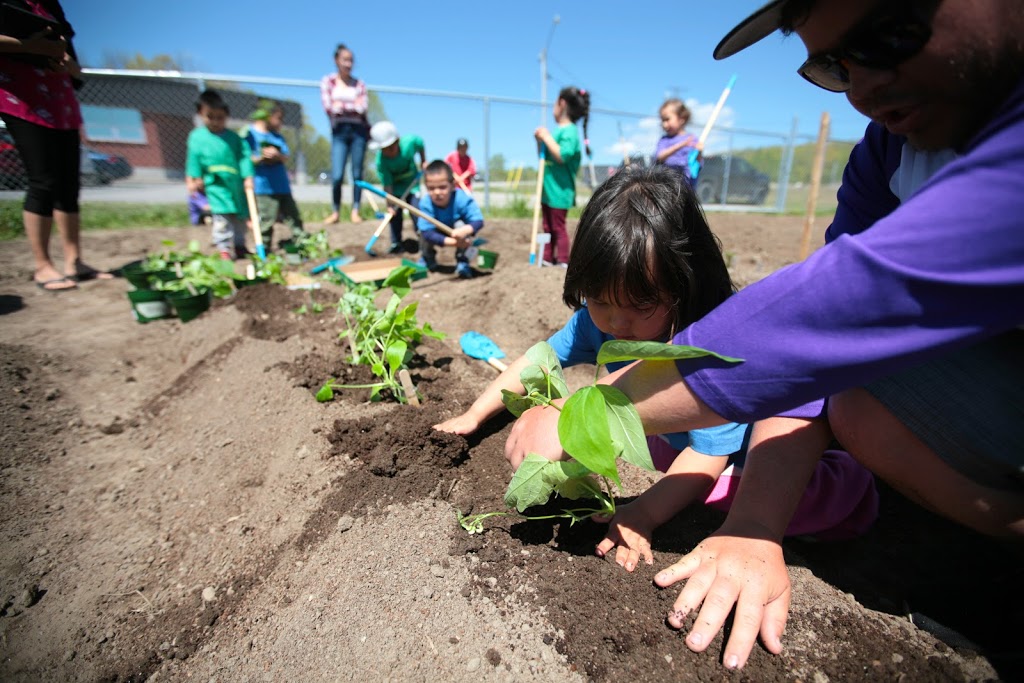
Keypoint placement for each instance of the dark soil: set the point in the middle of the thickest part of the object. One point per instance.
(177, 506)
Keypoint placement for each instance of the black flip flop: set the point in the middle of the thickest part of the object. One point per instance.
(42, 284)
(90, 274)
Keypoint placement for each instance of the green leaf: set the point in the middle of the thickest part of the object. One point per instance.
(517, 404)
(377, 368)
(585, 435)
(326, 393)
(618, 350)
(626, 428)
(395, 355)
(398, 280)
(545, 374)
(578, 483)
(533, 483)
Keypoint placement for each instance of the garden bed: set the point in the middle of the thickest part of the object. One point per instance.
(175, 504)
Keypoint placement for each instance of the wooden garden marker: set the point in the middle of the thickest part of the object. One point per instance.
(812, 198)
(409, 388)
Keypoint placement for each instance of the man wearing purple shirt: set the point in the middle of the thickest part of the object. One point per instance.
(908, 320)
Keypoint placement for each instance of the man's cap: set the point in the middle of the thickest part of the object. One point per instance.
(462, 142)
(758, 25)
(383, 134)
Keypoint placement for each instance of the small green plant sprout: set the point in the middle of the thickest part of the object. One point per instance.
(168, 258)
(198, 271)
(314, 246)
(272, 268)
(597, 425)
(385, 339)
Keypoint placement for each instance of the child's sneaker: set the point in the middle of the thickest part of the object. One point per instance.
(429, 265)
(241, 253)
(226, 255)
(463, 270)
(395, 248)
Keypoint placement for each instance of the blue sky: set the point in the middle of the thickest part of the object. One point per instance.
(629, 57)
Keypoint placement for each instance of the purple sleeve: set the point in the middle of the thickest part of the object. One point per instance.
(943, 270)
(864, 196)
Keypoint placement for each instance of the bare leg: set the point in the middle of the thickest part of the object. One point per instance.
(885, 446)
(37, 229)
(70, 227)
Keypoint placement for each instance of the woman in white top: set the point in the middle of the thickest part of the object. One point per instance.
(345, 100)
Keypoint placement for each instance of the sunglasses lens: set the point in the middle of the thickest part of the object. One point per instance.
(826, 73)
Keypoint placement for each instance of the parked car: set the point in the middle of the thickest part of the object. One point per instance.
(13, 176)
(109, 167)
(746, 185)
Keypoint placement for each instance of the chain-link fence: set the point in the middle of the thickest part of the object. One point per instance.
(137, 125)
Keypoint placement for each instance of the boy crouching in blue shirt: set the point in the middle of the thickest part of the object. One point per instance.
(452, 207)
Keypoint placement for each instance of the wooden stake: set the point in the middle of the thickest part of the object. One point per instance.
(812, 198)
(409, 388)
(534, 256)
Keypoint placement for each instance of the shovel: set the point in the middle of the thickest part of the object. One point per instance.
(476, 345)
(378, 232)
(254, 221)
(337, 261)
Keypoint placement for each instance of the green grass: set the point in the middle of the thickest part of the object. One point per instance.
(114, 215)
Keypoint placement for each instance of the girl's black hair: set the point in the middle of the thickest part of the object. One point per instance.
(577, 103)
(342, 46)
(643, 236)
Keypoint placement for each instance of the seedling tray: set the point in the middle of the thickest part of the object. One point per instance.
(375, 271)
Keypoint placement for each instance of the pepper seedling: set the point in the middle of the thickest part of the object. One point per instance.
(597, 425)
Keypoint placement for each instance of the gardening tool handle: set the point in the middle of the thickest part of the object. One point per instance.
(379, 231)
(254, 220)
(497, 364)
(462, 183)
(407, 206)
(536, 207)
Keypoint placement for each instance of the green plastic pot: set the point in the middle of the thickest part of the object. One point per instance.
(248, 283)
(188, 305)
(486, 259)
(149, 304)
(140, 278)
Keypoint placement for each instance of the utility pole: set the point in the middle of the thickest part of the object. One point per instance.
(544, 73)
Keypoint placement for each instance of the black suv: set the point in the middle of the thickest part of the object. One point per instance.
(746, 185)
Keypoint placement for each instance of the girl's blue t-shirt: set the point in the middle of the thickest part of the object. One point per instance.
(579, 341)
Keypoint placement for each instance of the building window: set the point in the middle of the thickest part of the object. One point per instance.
(113, 124)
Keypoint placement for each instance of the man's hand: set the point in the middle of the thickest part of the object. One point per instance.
(747, 571)
(247, 183)
(536, 431)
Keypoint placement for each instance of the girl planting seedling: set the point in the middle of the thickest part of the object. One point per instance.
(644, 263)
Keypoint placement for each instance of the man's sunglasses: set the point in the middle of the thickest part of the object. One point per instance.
(883, 40)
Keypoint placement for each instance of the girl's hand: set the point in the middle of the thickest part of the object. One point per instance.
(460, 424)
(630, 534)
(541, 133)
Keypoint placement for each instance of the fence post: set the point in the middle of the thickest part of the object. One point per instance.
(724, 199)
(812, 197)
(786, 168)
(487, 153)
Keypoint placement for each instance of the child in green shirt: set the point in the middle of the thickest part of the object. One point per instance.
(562, 152)
(218, 164)
(398, 170)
